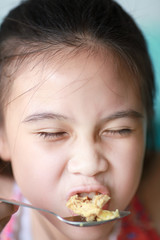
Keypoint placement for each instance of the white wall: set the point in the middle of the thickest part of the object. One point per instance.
(144, 11)
(6, 5)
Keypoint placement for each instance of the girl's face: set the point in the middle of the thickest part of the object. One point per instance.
(75, 126)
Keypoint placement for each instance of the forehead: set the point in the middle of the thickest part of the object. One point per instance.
(60, 76)
(82, 65)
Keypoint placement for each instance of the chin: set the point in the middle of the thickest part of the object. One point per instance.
(69, 232)
(100, 232)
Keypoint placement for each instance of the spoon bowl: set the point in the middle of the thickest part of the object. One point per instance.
(72, 220)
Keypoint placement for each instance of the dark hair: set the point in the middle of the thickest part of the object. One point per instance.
(39, 25)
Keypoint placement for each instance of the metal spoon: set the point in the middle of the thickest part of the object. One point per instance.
(72, 220)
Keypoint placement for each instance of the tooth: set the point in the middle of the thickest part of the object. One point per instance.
(90, 195)
(83, 194)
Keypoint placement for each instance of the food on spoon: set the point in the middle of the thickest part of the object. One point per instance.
(90, 206)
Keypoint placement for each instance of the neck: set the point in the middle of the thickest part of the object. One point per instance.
(43, 229)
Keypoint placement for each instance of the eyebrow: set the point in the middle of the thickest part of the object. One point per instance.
(124, 114)
(54, 116)
(45, 116)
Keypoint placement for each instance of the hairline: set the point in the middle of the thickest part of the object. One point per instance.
(24, 53)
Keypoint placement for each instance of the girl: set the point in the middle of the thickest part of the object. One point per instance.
(77, 92)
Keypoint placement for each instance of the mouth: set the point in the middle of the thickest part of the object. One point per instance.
(90, 195)
(88, 191)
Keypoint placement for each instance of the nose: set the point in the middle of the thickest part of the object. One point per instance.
(87, 159)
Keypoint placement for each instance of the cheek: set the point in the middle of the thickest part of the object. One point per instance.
(37, 167)
(127, 170)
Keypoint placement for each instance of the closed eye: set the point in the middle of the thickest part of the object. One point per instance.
(53, 136)
(117, 132)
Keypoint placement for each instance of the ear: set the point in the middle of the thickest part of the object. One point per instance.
(4, 146)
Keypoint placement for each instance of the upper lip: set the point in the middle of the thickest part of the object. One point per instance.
(87, 189)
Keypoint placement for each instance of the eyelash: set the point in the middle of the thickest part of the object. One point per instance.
(118, 132)
(52, 135)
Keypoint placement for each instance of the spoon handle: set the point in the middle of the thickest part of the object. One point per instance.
(73, 220)
(22, 204)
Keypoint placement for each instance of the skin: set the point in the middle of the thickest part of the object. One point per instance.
(6, 212)
(74, 125)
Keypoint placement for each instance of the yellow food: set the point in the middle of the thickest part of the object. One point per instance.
(91, 209)
(107, 215)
